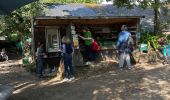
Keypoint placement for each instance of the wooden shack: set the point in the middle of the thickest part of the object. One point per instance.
(50, 30)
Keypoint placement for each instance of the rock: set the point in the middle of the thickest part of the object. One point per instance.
(5, 91)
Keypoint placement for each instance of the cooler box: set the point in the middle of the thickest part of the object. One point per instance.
(143, 48)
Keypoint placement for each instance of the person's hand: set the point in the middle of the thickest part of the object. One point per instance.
(59, 50)
(81, 36)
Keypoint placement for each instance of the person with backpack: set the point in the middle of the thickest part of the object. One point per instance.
(67, 50)
(125, 47)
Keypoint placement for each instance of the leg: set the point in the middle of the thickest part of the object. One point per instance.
(40, 66)
(66, 72)
(6, 58)
(93, 57)
(71, 70)
(122, 59)
(127, 57)
(88, 53)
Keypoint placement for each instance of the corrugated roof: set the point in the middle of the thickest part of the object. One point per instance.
(83, 10)
(94, 10)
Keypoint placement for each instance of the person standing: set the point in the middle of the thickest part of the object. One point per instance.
(87, 37)
(124, 48)
(4, 54)
(95, 50)
(39, 56)
(67, 50)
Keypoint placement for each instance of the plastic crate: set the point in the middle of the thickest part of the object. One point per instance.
(143, 48)
(166, 50)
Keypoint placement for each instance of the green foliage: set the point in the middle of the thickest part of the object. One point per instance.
(19, 22)
(13, 37)
(154, 4)
(168, 39)
(69, 1)
(150, 39)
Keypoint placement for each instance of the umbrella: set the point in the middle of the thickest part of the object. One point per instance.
(7, 6)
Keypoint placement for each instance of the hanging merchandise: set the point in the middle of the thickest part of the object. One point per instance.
(75, 41)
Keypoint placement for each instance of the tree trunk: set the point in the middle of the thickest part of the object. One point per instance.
(156, 17)
(155, 21)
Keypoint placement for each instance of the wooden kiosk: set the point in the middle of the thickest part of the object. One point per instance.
(50, 30)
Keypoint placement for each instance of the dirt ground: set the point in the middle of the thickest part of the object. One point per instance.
(143, 82)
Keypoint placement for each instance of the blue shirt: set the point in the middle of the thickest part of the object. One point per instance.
(121, 43)
(123, 36)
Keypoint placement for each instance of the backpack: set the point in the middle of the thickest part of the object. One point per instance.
(127, 45)
(130, 41)
(69, 48)
(95, 47)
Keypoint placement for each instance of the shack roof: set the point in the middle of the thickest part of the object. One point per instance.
(93, 10)
(97, 11)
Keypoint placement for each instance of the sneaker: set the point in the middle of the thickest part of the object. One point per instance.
(65, 80)
(71, 79)
(129, 68)
(120, 68)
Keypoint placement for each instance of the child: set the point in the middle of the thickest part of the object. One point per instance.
(95, 49)
(4, 55)
(67, 50)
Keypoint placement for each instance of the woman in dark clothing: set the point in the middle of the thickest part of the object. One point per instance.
(67, 50)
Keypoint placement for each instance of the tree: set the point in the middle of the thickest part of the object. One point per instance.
(19, 22)
(155, 4)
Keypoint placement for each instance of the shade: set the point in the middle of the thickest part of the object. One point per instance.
(7, 6)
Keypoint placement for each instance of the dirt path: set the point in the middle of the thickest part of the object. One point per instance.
(145, 82)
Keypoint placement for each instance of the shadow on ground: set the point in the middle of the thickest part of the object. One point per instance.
(136, 84)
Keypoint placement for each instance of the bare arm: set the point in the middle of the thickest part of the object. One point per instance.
(84, 38)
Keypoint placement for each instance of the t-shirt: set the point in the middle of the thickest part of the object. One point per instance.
(39, 52)
(95, 46)
(124, 41)
(69, 48)
(88, 35)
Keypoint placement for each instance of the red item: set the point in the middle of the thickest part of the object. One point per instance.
(95, 46)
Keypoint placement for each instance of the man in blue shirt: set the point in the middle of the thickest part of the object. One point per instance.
(123, 48)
